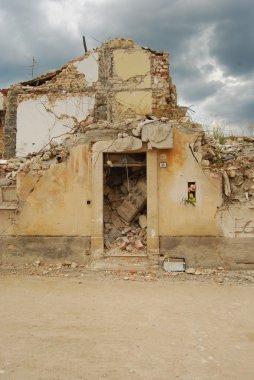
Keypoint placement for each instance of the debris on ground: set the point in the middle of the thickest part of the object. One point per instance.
(39, 268)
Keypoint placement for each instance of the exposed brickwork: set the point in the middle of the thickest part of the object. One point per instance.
(164, 98)
(10, 129)
(164, 91)
(1, 134)
(69, 81)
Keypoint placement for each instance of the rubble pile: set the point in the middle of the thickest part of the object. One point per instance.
(233, 157)
(121, 132)
(33, 163)
(125, 211)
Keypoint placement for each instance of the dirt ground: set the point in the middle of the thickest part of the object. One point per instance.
(108, 327)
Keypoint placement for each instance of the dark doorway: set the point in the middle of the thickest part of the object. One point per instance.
(125, 202)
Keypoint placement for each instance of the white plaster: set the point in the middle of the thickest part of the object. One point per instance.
(89, 67)
(1, 102)
(38, 120)
(236, 221)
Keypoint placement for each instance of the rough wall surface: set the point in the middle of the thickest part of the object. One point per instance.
(233, 159)
(126, 81)
(134, 81)
(37, 102)
(178, 217)
(2, 117)
(122, 96)
(44, 247)
(1, 136)
(10, 124)
(236, 221)
(57, 203)
(210, 252)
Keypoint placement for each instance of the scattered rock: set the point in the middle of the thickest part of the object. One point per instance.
(219, 280)
(5, 182)
(142, 221)
(126, 230)
(190, 271)
(66, 263)
(107, 243)
(205, 163)
(113, 234)
(123, 246)
(138, 244)
(46, 156)
(209, 271)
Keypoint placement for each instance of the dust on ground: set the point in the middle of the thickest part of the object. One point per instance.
(74, 324)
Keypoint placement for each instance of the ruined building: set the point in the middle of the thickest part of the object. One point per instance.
(99, 161)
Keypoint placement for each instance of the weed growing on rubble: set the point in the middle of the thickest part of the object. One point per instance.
(218, 134)
(217, 159)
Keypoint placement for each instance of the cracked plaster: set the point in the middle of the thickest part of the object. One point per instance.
(47, 120)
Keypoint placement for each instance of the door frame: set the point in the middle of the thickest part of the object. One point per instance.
(97, 237)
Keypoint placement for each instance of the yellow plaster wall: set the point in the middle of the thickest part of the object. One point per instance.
(175, 218)
(133, 63)
(7, 225)
(139, 102)
(56, 204)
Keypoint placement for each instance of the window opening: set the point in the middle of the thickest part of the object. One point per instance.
(192, 192)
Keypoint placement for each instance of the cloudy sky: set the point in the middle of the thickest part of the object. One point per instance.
(211, 45)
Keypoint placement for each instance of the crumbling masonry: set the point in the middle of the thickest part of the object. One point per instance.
(98, 160)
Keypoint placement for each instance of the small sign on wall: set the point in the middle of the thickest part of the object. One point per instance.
(163, 164)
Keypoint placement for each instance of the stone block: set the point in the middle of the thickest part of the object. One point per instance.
(134, 202)
(129, 143)
(5, 182)
(159, 135)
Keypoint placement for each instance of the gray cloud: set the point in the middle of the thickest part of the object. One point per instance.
(210, 43)
(235, 103)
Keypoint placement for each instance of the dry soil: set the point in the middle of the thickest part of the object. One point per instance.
(106, 328)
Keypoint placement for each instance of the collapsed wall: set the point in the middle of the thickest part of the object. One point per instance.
(121, 233)
(2, 117)
(116, 82)
(125, 201)
(122, 94)
(233, 158)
